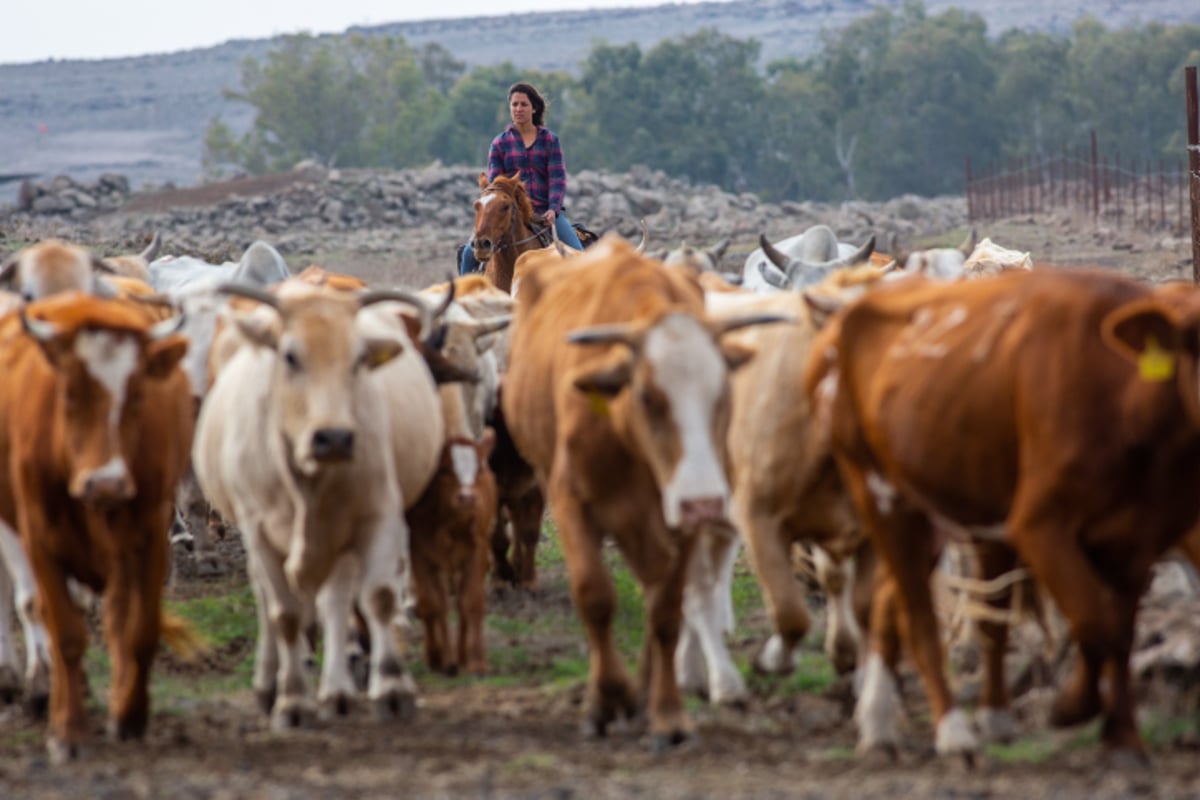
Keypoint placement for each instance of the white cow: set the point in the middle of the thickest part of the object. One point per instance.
(298, 443)
(798, 261)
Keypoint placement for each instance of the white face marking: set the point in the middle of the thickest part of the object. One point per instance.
(465, 460)
(689, 369)
(487, 198)
(883, 492)
(110, 359)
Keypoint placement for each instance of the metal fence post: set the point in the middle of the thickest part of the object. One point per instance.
(1193, 130)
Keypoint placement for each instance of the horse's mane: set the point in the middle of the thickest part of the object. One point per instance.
(513, 187)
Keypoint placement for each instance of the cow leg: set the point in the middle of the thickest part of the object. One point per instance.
(132, 605)
(285, 621)
(10, 668)
(877, 712)
(843, 637)
(702, 657)
(68, 643)
(994, 718)
(472, 609)
(37, 645)
(503, 568)
(195, 510)
(610, 691)
(526, 513)
(770, 557)
(266, 654)
(335, 601)
(663, 576)
(905, 542)
(391, 689)
(1101, 624)
(433, 612)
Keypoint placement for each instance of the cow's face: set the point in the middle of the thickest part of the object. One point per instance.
(1160, 337)
(101, 376)
(464, 468)
(669, 390)
(52, 267)
(320, 362)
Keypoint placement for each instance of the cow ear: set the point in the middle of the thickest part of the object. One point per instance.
(607, 378)
(380, 351)
(736, 355)
(163, 355)
(412, 325)
(1145, 334)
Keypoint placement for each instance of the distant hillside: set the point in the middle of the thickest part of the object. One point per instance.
(145, 117)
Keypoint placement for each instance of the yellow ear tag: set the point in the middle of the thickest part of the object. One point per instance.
(599, 403)
(1155, 364)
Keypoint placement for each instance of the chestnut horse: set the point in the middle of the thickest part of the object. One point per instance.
(503, 228)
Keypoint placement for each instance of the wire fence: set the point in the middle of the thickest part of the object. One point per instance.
(1124, 192)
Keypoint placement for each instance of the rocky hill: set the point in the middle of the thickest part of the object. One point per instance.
(145, 117)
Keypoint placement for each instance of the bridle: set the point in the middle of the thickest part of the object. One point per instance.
(542, 236)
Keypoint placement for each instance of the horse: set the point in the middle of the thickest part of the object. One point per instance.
(504, 228)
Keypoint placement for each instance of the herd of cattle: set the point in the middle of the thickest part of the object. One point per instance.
(380, 447)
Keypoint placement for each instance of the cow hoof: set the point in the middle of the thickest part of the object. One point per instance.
(1069, 709)
(124, 730)
(360, 671)
(292, 715)
(1128, 759)
(669, 742)
(37, 703)
(774, 658)
(395, 705)
(593, 729)
(336, 705)
(877, 755)
(955, 736)
(996, 725)
(265, 698)
(61, 752)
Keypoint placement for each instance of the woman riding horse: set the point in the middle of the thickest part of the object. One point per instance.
(528, 147)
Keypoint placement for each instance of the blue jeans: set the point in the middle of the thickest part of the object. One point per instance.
(566, 234)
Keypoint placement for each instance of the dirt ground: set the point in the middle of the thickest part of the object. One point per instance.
(517, 735)
(477, 737)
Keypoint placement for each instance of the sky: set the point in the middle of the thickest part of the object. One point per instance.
(36, 30)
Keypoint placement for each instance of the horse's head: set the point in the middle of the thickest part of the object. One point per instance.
(503, 215)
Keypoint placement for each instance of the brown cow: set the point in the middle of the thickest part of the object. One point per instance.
(451, 528)
(1071, 402)
(95, 429)
(618, 394)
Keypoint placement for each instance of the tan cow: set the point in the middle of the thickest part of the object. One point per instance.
(618, 395)
(312, 433)
(95, 429)
(1075, 419)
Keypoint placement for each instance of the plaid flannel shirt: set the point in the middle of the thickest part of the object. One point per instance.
(540, 165)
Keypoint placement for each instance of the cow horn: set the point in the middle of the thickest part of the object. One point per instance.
(163, 329)
(8, 271)
(724, 326)
(492, 325)
(424, 313)
(773, 254)
(617, 333)
(151, 251)
(641, 248)
(772, 276)
(968, 245)
(39, 329)
(717, 252)
(250, 293)
(445, 304)
(858, 256)
(99, 265)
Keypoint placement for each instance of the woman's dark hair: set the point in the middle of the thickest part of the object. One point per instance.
(535, 99)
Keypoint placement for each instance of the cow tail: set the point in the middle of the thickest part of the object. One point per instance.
(180, 636)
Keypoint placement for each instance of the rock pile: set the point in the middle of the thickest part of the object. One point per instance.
(413, 216)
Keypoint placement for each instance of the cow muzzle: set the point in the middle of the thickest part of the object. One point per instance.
(106, 485)
(332, 444)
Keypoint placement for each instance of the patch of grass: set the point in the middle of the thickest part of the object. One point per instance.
(1030, 750)
(220, 619)
(1164, 731)
(813, 675)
